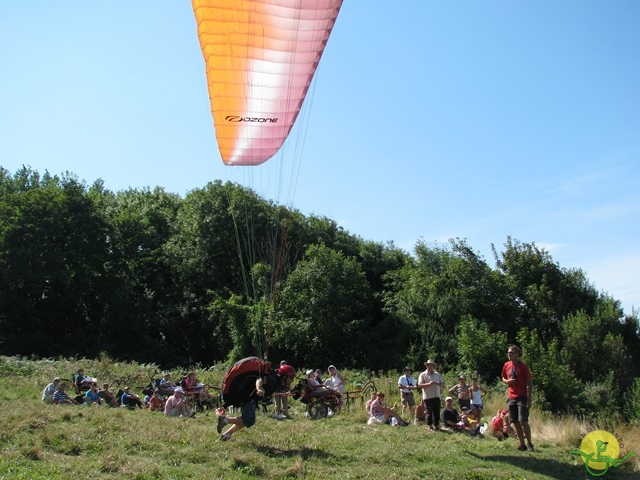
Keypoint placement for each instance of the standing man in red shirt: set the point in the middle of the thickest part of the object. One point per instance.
(517, 376)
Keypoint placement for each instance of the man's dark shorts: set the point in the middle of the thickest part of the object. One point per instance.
(518, 411)
(248, 414)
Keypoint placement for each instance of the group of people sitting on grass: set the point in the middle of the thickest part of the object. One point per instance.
(165, 397)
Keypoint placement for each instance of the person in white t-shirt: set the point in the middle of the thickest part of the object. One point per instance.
(407, 384)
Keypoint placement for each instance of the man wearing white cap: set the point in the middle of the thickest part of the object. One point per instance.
(176, 405)
(430, 382)
(49, 390)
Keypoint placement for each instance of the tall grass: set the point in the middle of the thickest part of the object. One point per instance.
(39, 441)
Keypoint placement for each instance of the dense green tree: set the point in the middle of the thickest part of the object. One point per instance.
(143, 294)
(479, 349)
(555, 385)
(53, 249)
(544, 292)
(430, 295)
(324, 309)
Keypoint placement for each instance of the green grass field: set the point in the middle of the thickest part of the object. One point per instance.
(43, 442)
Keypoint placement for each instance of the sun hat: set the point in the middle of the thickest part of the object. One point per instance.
(57, 379)
(309, 372)
(430, 361)
(332, 366)
(448, 398)
(179, 390)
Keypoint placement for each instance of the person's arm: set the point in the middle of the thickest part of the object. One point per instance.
(529, 390)
(505, 379)
(453, 389)
(259, 387)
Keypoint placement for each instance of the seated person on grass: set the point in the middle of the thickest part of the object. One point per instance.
(384, 414)
(49, 390)
(61, 397)
(93, 396)
(501, 426)
(130, 400)
(450, 416)
(176, 405)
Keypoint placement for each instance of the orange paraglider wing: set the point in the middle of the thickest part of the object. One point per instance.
(260, 59)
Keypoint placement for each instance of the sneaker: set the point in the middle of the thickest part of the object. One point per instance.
(278, 416)
(222, 421)
(521, 448)
(531, 448)
(225, 437)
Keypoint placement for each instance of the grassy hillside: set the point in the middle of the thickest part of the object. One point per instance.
(40, 441)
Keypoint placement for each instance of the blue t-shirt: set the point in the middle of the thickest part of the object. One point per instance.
(91, 397)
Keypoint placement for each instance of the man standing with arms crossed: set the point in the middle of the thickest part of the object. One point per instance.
(517, 376)
(430, 382)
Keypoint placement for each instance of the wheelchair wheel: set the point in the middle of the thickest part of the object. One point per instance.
(317, 409)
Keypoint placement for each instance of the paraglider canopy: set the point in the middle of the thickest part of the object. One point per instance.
(260, 58)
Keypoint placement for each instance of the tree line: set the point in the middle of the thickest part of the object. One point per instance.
(150, 276)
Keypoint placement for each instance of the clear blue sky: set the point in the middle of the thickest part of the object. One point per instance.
(428, 120)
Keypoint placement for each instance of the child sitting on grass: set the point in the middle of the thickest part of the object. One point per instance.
(500, 425)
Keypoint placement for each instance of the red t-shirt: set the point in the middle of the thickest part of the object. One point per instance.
(497, 424)
(521, 373)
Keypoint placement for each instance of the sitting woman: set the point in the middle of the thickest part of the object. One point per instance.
(93, 396)
(316, 388)
(81, 382)
(193, 386)
(176, 405)
(367, 405)
(384, 414)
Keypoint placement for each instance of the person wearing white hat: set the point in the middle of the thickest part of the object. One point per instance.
(430, 382)
(176, 405)
(316, 388)
(337, 380)
(49, 390)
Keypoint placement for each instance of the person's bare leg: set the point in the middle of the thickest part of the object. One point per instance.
(526, 430)
(236, 424)
(520, 433)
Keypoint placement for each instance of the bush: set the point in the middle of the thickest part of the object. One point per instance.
(631, 407)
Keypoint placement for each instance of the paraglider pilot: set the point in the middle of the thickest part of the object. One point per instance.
(265, 387)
